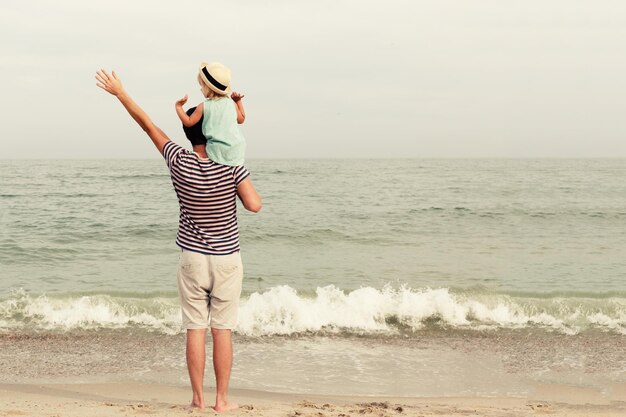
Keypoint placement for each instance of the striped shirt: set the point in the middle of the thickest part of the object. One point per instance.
(207, 194)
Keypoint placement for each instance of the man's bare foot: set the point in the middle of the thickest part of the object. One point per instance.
(222, 406)
(195, 406)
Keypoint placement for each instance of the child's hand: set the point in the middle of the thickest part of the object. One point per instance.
(236, 96)
(182, 101)
(109, 83)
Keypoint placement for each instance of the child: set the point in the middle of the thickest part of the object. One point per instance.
(220, 115)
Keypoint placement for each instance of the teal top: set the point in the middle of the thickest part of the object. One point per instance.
(225, 142)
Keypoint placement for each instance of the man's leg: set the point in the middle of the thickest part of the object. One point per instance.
(196, 356)
(224, 304)
(222, 364)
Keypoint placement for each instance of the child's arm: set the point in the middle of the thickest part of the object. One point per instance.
(241, 114)
(188, 121)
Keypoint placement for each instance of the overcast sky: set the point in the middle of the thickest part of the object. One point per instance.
(323, 78)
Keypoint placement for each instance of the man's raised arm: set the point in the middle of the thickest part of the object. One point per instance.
(113, 85)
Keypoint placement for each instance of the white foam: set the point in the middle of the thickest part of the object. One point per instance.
(602, 320)
(282, 310)
(90, 312)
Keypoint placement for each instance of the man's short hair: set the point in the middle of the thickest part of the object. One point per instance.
(194, 133)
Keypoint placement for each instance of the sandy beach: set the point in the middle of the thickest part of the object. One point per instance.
(132, 399)
(130, 373)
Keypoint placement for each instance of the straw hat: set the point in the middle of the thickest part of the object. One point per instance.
(216, 76)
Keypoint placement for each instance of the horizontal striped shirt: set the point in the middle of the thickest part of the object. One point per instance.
(207, 194)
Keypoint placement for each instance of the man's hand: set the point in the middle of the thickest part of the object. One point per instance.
(182, 101)
(109, 83)
(236, 96)
(113, 85)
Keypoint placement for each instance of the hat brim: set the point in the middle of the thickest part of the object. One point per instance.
(209, 84)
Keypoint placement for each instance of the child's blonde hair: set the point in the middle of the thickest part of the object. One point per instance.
(207, 92)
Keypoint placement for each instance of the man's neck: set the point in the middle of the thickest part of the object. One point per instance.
(201, 151)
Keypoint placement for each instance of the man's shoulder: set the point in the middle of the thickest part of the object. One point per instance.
(175, 154)
(172, 147)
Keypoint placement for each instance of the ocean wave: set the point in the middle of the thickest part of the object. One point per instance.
(123, 176)
(281, 310)
(366, 311)
(515, 212)
(308, 236)
(23, 312)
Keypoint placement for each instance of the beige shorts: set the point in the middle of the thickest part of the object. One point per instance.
(209, 287)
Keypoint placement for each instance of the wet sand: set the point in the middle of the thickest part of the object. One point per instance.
(132, 399)
(506, 373)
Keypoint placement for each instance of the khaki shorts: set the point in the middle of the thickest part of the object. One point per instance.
(209, 287)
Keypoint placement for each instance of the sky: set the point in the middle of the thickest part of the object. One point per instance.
(322, 79)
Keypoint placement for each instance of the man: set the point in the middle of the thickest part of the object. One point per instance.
(210, 270)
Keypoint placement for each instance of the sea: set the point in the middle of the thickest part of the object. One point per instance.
(403, 277)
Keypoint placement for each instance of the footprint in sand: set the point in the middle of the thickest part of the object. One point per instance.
(541, 408)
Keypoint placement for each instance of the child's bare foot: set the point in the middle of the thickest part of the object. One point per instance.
(222, 406)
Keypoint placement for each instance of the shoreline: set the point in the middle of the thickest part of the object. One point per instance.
(129, 398)
(504, 364)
